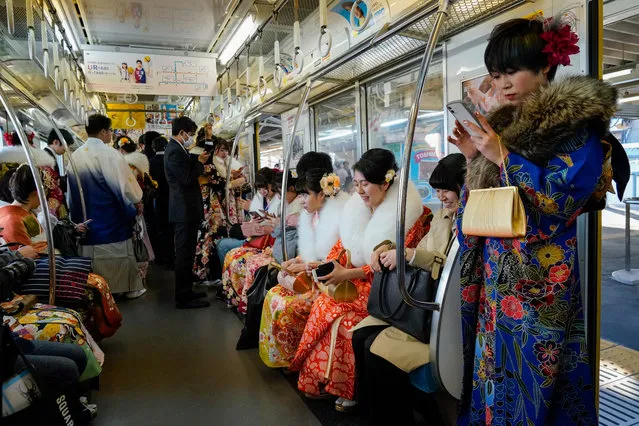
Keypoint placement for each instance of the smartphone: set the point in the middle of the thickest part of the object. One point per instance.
(324, 269)
(461, 113)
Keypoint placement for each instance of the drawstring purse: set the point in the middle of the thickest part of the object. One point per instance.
(495, 212)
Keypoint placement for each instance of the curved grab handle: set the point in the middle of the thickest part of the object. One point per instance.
(261, 87)
(131, 121)
(362, 23)
(298, 61)
(249, 96)
(278, 75)
(406, 159)
(325, 47)
(40, 190)
(288, 149)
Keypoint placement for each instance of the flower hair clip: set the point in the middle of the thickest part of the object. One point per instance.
(9, 139)
(390, 175)
(330, 184)
(561, 40)
(123, 142)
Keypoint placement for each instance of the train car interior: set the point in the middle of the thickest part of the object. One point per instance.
(266, 83)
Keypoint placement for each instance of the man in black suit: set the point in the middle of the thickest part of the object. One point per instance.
(165, 250)
(185, 207)
(54, 148)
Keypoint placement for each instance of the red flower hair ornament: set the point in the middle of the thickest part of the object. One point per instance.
(561, 42)
(9, 138)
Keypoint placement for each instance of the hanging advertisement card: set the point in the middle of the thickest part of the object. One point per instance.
(141, 73)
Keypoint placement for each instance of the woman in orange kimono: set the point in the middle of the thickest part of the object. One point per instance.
(325, 357)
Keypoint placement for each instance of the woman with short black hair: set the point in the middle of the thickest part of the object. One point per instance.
(525, 354)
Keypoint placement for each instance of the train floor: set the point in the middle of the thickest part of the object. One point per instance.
(180, 367)
(168, 366)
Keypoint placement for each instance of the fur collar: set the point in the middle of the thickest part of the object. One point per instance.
(550, 121)
(15, 154)
(315, 244)
(139, 161)
(221, 165)
(361, 230)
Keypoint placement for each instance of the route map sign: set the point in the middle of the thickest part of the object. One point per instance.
(153, 74)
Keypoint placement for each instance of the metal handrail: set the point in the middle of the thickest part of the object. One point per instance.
(40, 189)
(288, 150)
(442, 12)
(236, 143)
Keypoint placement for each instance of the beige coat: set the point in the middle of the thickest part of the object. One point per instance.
(395, 346)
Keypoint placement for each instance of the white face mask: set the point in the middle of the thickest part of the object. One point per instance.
(190, 141)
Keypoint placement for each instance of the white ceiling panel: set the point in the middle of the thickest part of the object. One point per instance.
(187, 24)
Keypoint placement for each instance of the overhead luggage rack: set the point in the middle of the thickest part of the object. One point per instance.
(404, 38)
(32, 54)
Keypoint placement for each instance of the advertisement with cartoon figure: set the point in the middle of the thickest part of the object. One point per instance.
(368, 15)
(123, 72)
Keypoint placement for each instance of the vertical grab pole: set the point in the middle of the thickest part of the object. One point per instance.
(75, 170)
(40, 188)
(442, 12)
(288, 155)
(236, 143)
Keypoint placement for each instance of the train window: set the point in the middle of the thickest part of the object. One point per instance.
(388, 103)
(270, 137)
(336, 129)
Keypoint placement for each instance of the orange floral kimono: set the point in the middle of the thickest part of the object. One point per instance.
(325, 357)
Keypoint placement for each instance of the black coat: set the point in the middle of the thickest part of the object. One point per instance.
(182, 171)
(156, 170)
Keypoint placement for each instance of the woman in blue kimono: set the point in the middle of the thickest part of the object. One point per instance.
(525, 355)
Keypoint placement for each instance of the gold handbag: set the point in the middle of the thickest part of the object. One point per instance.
(495, 212)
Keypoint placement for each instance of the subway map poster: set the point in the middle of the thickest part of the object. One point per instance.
(142, 73)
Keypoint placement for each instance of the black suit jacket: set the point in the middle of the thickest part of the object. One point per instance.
(182, 171)
(156, 170)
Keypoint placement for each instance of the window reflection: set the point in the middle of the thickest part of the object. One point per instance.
(337, 134)
(388, 104)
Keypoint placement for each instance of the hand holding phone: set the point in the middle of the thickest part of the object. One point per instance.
(473, 134)
(461, 113)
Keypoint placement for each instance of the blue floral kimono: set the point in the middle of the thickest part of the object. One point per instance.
(525, 355)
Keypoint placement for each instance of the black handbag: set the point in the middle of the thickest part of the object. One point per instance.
(385, 301)
(265, 279)
(65, 239)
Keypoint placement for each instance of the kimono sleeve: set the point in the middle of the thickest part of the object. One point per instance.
(121, 178)
(555, 193)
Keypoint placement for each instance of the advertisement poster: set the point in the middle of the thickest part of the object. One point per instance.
(139, 73)
(480, 94)
(367, 13)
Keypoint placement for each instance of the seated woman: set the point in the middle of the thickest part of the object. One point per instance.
(266, 199)
(325, 356)
(384, 355)
(13, 155)
(241, 263)
(285, 312)
(21, 226)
